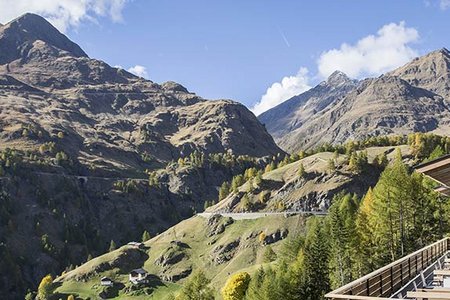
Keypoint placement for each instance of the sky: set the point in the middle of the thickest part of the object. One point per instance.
(257, 52)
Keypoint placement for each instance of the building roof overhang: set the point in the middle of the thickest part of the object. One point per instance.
(439, 171)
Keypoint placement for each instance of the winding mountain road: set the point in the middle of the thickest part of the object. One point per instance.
(257, 215)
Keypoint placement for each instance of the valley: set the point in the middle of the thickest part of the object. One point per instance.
(113, 186)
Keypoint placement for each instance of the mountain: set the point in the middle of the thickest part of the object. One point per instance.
(430, 72)
(295, 112)
(108, 114)
(90, 153)
(412, 98)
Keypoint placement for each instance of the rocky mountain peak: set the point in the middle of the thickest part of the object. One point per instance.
(19, 36)
(174, 86)
(338, 78)
(431, 72)
(443, 51)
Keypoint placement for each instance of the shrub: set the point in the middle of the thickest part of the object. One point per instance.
(236, 286)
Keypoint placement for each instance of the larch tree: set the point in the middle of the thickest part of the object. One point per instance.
(45, 287)
(196, 288)
(236, 286)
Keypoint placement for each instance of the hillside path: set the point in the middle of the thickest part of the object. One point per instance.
(257, 215)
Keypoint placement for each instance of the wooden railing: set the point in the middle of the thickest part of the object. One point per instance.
(391, 279)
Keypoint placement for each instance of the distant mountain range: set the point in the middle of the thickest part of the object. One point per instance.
(413, 98)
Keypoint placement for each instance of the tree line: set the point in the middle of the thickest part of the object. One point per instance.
(400, 214)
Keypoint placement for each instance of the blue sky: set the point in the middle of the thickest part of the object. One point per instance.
(239, 49)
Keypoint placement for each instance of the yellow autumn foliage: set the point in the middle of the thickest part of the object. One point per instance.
(236, 286)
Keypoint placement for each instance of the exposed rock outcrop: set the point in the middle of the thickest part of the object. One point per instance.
(223, 253)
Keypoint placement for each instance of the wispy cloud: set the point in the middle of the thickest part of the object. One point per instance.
(139, 70)
(63, 14)
(444, 4)
(284, 38)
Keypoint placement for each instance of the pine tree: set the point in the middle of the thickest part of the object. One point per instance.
(258, 178)
(145, 236)
(301, 173)
(392, 212)
(254, 291)
(341, 223)
(352, 162)
(381, 161)
(316, 260)
(245, 202)
(269, 286)
(196, 288)
(45, 288)
(331, 166)
(269, 255)
(224, 190)
(236, 182)
(296, 275)
(112, 246)
(270, 167)
(437, 152)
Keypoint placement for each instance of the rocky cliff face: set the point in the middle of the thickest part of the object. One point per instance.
(413, 98)
(430, 72)
(297, 111)
(78, 140)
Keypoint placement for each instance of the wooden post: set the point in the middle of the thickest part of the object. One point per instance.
(421, 260)
(367, 288)
(381, 285)
(409, 268)
(401, 274)
(392, 281)
(417, 266)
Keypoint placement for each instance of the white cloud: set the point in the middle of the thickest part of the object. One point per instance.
(444, 4)
(373, 54)
(63, 13)
(138, 70)
(289, 87)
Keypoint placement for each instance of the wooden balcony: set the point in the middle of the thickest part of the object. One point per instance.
(414, 276)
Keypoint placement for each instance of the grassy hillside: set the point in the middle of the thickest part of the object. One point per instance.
(283, 189)
(221, 246)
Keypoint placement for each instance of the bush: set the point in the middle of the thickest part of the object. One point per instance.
(236, 286)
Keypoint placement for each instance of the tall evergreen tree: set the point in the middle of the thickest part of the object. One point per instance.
(364, 251)
(341, 220)
(196, 288)
(316, 262)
